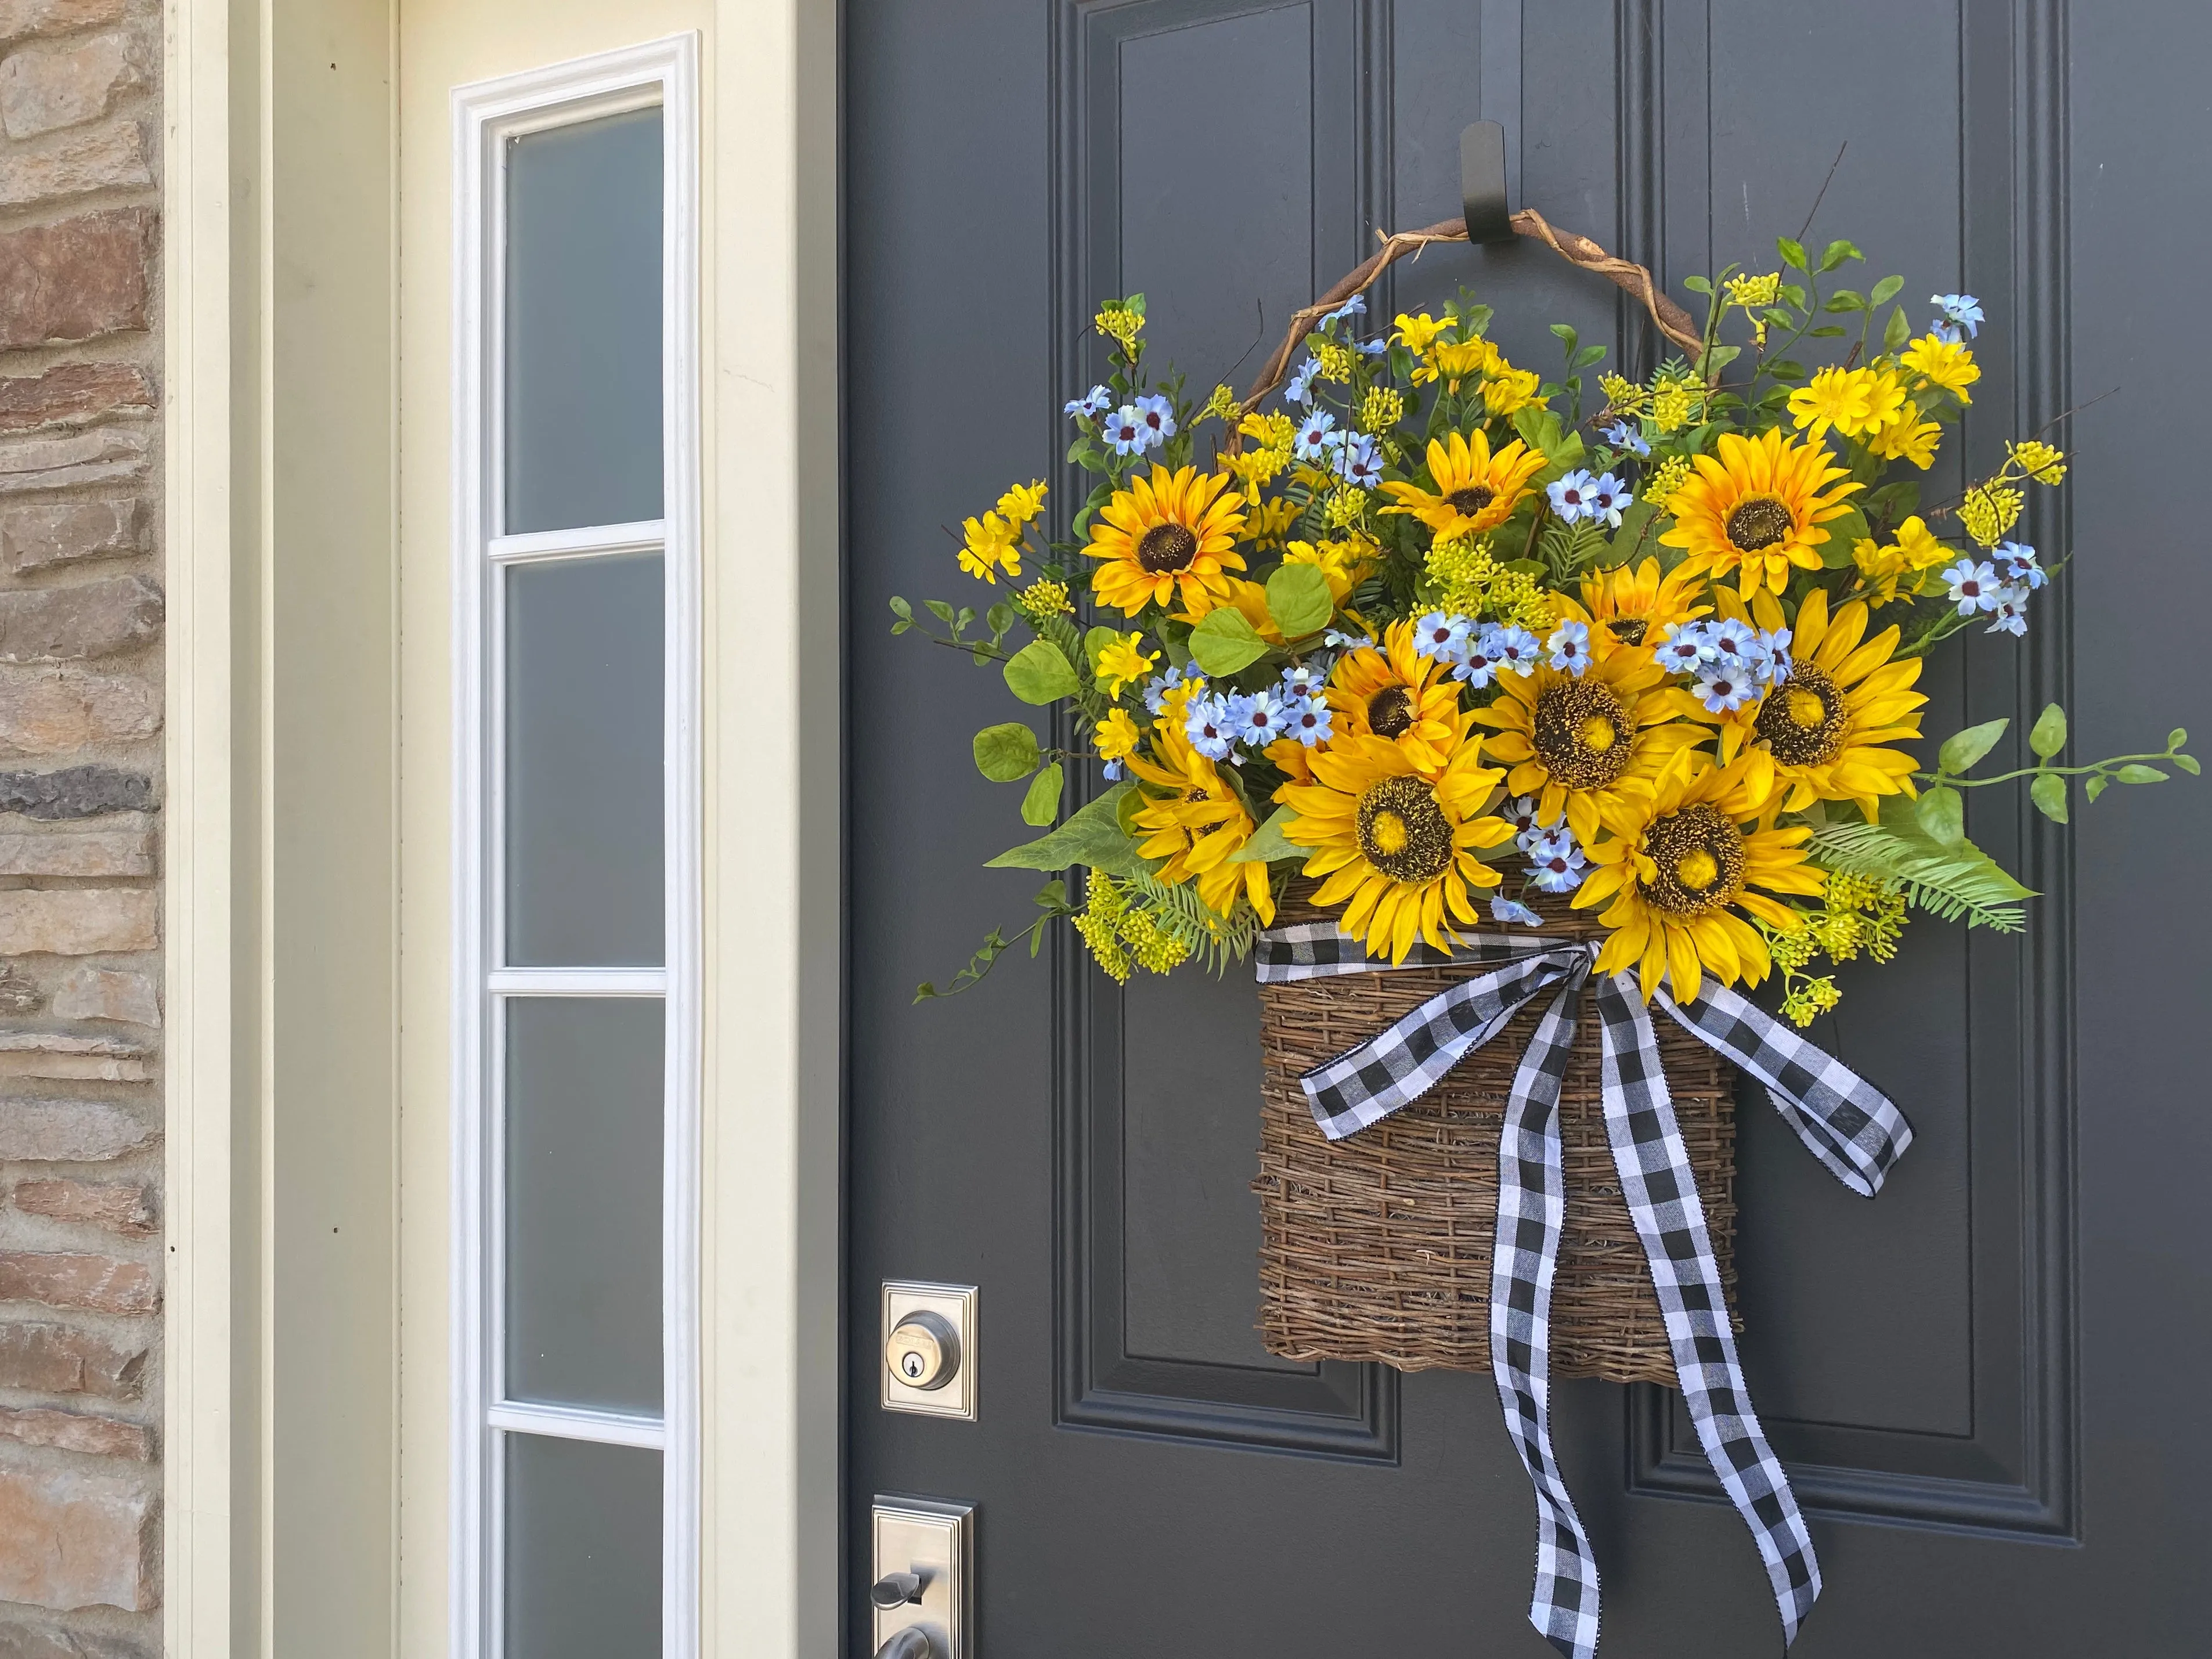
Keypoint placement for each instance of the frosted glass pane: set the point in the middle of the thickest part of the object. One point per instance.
(583, 323)
(583, 1549)
(583, 1202)
(584, 762)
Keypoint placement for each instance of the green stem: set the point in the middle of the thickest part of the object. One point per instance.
(2038, 771)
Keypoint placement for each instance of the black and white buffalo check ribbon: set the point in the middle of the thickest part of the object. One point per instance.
(1843, 1122)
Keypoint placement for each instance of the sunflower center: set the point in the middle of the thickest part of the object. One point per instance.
(1803, 718)
(1578, 733)
(1167, 547)
(1473, 499)
(1699, 855)
(1403, 832)
(1629, 631)
(1390, 712)
(1759, 523)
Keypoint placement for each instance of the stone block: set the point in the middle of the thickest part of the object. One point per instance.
(78, 921)
(78, 1538)
(120, 1206)
(88, 853)
(34, 534)
(94, 619)
(79, 1280)
(96, 1437)
(52, 1642)
(22, 18)
(49, 1358)
(69, 1131)
(18, 992)
(46, 88)
(110, 157)
(77, 279)
(108, 993)
(107, 454)
(74, 791)
(65, 1054)
(55, 710)
(70, 394)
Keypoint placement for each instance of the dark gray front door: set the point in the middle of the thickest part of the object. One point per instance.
(1988, 1383)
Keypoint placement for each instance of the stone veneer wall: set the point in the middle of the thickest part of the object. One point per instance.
(80, 783)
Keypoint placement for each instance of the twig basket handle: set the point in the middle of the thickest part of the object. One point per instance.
(1671, 319)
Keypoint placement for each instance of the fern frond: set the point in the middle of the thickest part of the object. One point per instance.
(1215, 940)
(1955, 884)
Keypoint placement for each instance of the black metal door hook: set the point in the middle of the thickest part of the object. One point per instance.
(1482, 182)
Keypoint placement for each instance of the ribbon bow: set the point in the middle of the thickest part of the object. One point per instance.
(1845, 1123)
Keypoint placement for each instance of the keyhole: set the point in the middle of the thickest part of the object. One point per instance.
(912, 1364)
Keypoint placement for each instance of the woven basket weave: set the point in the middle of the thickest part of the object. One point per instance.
(1377, 1247)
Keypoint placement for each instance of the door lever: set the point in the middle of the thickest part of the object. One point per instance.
(908, 1644)
(895, 1589)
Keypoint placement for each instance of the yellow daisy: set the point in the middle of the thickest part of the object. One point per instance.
(1637, 603)
(1679, 866)
(1195, 820)
(1822, 733)
(1475, 490)
(1452, 362)
(1579, 744)
(1510, 389)
(1169, 534)
(1121, 660)
(1398, 850)
(1947, 363)
(1399, 695)
(1756, 507)
(1852, 400)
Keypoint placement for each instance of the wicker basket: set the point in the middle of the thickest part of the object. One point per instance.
(1377, 1247)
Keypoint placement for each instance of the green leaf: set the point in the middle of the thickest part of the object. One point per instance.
(2048, 791)
(1006, 754)
(2188, 764)
(901, 608)
(1697, 285)
(1826, 331)
(999, 618)
(1268, 844)
(1299, 600)
(2140, 774)
(1899, 329)
(1718, 358)
(1792, 253)
(1845, 532)
(1041, 806)
(2176, 737)
(2097, 784)
(1095, 641)
(1040, 673)
(1943, 817)
(1224, 643)
(1786, 368)
(1962, 749)
(1845, 299)
(2048, 735)
(1093, 836)
(940, 609)
(1884, 290)
(1836, 252)
(1564, 332)
(1587, 355)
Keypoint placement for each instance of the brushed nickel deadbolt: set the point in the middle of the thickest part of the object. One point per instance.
(929, 1348)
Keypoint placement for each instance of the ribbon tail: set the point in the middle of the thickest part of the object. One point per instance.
(1661, 1190)
(1531, 1205)
(1844, 1121)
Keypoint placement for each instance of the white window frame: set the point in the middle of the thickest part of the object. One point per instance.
(485, 115)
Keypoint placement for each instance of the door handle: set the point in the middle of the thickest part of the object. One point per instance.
(895, 1589)
(908, 1644)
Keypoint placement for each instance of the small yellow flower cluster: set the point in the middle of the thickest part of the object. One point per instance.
(1123, 935)
(1990, 510)
(1669, 476)
(1471, 582)
(1270, 436)
(1120, 325)
(1624, 396)
(2038, 461)
(1858, 914)
(1383, 408)
(1345, 507)
(1676, 401)
(1751, 292)
(1808, 999)
(1041, 601)
(1221, 404)
(1337, 361)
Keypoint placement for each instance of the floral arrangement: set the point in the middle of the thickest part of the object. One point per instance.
(1441, 637)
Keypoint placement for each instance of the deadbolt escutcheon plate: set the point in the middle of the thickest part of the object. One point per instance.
(929, 1356)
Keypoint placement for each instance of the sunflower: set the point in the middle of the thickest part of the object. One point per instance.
(1198, 821)
(1398, 849)
(1172, 533)
(1636, 602)
(1582, 744)
(1758, 507)
(1400, 696)
(1475, 490)
(1679, 866)
(1819, 734)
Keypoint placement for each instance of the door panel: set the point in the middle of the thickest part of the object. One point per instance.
(1150, 1481)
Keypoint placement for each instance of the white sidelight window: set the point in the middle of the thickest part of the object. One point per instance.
(575, 544)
